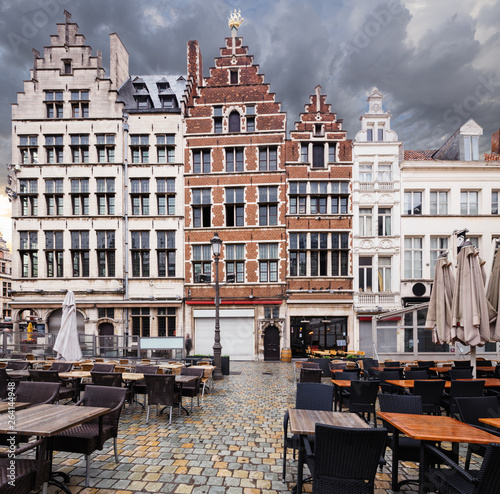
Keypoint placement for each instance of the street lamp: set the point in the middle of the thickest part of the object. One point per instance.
(216, 247)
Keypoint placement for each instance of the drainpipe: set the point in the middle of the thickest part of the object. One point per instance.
(125, 214)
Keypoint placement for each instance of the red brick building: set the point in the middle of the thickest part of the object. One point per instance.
(319, 230)
(235, 186)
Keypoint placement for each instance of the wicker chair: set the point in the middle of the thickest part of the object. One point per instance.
(390, 375)
(30, 473)
(17, 365)
(403, 448)
(140, 386)
(192, 389)
(310, 375)
(344, 460)
(470, 411)
(101, 367)
(430, 392)
(461, 373)
(91, 436)
(460, 389)
(61, 366)
(416, 374)
(362, 399)
(456, 480)
(162, 390)
(461, 363)
(310, 365)
(4, 380)
(67, 389)
(310, 396)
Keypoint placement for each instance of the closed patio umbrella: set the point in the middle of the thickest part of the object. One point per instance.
(439, 315)
(471, 311)
(67, 344)
(493, 295)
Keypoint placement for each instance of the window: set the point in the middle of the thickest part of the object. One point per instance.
(140, 254)
(139, 145)
(318, 130)
(6, 290)
(319, 197)
(28, 251)
(234, 159)
(141, 322)
(474, 241)
(304, 153)
(384, 274)
(80, 104)
(268, 206)
(167, 101)
(298, 254)
(67, 66)
(105, 147)
(471, 148)
(494, 202)
(202, 261)
(235, 262)
(385, 173)
(366, 173)
(319, 254)
(413, 203)
(438, 245)
(298, 197)
(384, 222)
(469, 201)
(268, 158)
(235, 206)
(369, 134)
(233, 76)
(54, 196)
(79, 148)
(165, 195)
(105, 196)
(365, 274)
(318, 156)
(165, 251)
(201, 161)
(105, 253)
(250, 124)
(268, 263)
(28, 196)
(105, 312)
(28, 147)
(365, 222)
(165, 148)
(54, 148)
(439, 202)
(166, 321)
(54, 104)
(143, 102)
(332, 154)
(234, 121)
(201, 208)
(139, 196)
(80, 196)
(80, 253)
(340, 197)
(54, 254)
(340, 254)
(381, 134)
(413, 257)
(218, 119)
(271, 312)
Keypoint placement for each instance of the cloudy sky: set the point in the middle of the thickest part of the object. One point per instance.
(436, 61)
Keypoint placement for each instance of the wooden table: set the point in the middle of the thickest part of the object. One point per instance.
(494, 421)
(5, 406)
(489, 382)
(303, 422)
(433, 428)
(339, 384)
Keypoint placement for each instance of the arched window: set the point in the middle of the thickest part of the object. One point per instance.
(234, 121)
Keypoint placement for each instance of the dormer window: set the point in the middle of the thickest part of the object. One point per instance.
(167, 101)
(471, 148)
(143, 102)
(233, 76)
(234, 121)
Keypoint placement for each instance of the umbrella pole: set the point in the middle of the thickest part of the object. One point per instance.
(473, 361)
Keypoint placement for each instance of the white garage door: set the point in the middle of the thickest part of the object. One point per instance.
(236, 333)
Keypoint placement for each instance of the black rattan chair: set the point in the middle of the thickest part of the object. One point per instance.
(416, 374)
(91, 436)
(310, 396)
(362, 399)
(392, 375)
(140, 386)
(460, 389)
(192, 389)
(161, 390)
(61, 366)
(461, 363)
(344, 460)
(310, 365)
(431, 393)
(37, 393)
(403, 448)
(17, 365)
(101, 367)
(113, 379)
(456, 480)
(66, 391)
(392, 363)
(461, 373)
(310, 375)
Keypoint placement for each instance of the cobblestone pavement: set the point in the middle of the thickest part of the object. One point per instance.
(231, 444)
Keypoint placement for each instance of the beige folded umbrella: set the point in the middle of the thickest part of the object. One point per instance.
(493, 296)
(439, 315)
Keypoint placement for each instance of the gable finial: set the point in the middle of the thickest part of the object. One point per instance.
(235, 19)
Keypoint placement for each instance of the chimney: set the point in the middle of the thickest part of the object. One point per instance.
(118, 61)
(495, 142)
(195, 63)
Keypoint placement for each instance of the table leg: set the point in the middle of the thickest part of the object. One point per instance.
(300, 467)
(395, 460)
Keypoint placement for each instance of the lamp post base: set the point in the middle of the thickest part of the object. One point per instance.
(217, 374)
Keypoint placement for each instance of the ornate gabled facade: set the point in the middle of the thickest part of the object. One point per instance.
(319, 230)
(235, 186)
(376, 208)
(6, 281)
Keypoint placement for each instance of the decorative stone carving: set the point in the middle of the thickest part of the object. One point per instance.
(367, 244)
(265, 323)
(386, 199)
(366, 199)
(386, 244)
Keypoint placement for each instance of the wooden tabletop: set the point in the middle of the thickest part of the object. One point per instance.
(494, 421)
(343, 383)
(47, 420)
(410, 383)
(437, 428)
(304, 421)
(17, 405)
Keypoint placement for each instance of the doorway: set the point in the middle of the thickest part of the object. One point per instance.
(106, 339)
(272, 343)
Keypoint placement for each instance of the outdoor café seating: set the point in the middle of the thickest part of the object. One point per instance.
(192, 389)
(310, 375)
(68, 389)
(460, 389)
(162, 390)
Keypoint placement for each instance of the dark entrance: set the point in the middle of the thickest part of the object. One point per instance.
(272, 343)
(106, 332)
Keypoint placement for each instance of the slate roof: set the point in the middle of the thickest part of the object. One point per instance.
(422, 155)
(177, 86)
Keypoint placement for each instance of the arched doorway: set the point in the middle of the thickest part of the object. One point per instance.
(272, 343)
(106, 341)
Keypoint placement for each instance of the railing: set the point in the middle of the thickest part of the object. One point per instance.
(376, 298)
